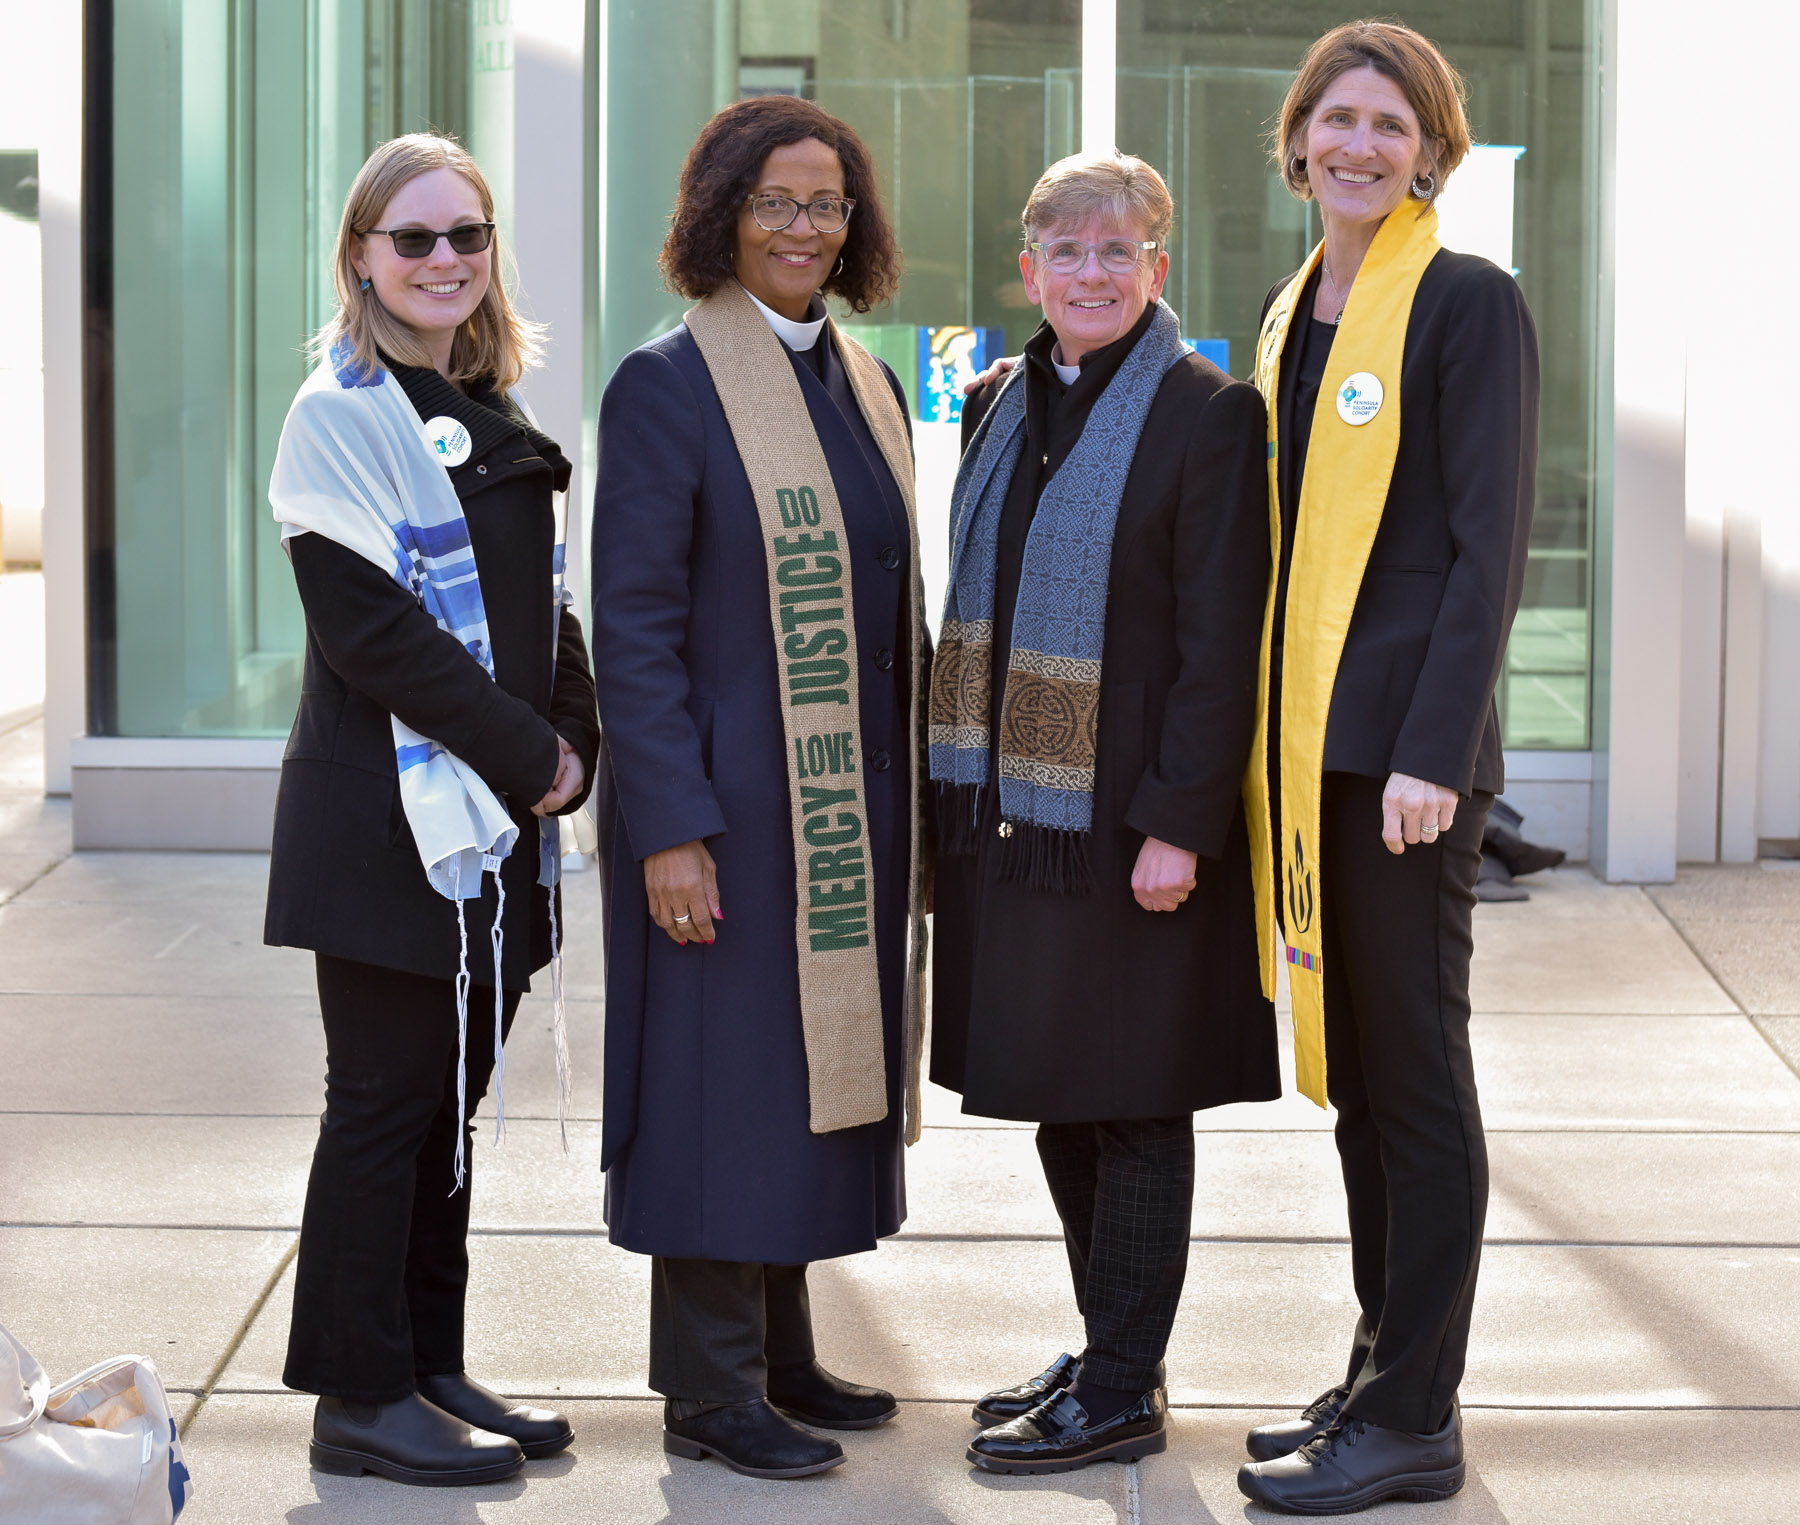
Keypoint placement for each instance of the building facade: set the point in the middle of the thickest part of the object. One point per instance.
(1648, 702)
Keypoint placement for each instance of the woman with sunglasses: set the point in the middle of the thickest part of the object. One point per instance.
(446, 718)
(758, 639)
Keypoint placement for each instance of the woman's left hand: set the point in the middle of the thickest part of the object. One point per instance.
(1413, 811)
(1164, 875)
(566, 785)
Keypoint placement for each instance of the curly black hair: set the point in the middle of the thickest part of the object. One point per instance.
(721, 170)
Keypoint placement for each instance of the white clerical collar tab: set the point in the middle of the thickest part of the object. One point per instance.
(1068, 373)
(796, 336)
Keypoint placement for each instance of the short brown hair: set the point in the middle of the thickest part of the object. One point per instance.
(495, 344)
(721, 171)
(1428, 80)
(1083, 185)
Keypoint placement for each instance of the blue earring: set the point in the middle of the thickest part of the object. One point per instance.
(365, 284)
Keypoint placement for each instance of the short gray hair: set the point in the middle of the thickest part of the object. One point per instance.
(1118, 186)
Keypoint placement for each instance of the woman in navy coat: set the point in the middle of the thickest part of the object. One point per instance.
(712, 1167)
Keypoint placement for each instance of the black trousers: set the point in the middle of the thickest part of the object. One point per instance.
(717, 1326)
(384, 1261)
(1125, 1194)
(1397, 941)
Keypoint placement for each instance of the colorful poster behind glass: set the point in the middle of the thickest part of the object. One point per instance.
(949, 359)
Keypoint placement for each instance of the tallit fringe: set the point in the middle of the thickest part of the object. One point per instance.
(559, 1026)
(497, 938)
(959, 808)
(1046, 858)
(462, 1023)
(496, 941)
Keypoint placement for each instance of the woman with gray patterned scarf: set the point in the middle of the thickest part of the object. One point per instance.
(1095, 968)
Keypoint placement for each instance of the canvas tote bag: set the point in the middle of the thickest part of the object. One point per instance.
(99, 1450)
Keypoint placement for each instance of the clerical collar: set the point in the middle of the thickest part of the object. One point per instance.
(1068, 374)
(796, 336)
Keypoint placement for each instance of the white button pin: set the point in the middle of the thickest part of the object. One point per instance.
(449, 440)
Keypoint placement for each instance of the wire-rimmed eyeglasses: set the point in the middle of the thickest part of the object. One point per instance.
(829, 214)
(1119, 256)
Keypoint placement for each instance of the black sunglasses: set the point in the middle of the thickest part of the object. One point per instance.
(416, 243)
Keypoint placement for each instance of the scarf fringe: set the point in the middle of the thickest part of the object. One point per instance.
(959, 808)
(1047, 858)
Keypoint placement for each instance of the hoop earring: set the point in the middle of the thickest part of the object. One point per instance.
(1430, 187)
(365, 284)
(838, 269)
(1297, 168)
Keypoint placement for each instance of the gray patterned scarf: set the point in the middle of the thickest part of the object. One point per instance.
(1049, 717)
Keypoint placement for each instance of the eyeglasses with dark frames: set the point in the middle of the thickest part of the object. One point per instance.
(416, 243)
(829, 214)
(1118, 256)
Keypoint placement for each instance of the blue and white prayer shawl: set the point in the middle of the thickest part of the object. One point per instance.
(1049, 715)
(356, 466)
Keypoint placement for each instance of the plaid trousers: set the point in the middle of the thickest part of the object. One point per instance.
(1125, 1194)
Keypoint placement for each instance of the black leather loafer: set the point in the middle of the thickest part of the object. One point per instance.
(410, 1441)
(1008, 1403)
(1355, 1464)
(1058, 1436)
(539, 1432)
(1267, 1441)
(809, 1393)
(750, 1438)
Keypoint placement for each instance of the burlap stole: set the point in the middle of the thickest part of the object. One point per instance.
(812, 617)
(1348, 469)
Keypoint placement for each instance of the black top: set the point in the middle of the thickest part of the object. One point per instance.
(1415, 683)
(345, 876)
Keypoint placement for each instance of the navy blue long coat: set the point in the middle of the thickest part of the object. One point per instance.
(706, 1145)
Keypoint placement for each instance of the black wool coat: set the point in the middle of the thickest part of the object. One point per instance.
(344, 875)
(1415, 683)
(1070, 1008)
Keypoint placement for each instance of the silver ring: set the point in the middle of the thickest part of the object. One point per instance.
(1428, 831)
(684, 916)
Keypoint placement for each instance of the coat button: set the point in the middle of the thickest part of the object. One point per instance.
(884, 659)
(888, 556)
(481, 471)
(1006, 828)
(879, 760)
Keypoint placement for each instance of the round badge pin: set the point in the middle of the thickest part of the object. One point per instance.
(449, 440)
(1359, 397)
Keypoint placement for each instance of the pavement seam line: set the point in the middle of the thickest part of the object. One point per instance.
(37, 878)
(1720, 980)
(238, 1336)
(1134, 1501)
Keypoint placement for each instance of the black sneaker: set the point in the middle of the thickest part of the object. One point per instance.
(1355, 1464)
(1267, 1441)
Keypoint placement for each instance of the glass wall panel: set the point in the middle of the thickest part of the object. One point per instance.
(1199, 85)
(962, 103)
(237, 127)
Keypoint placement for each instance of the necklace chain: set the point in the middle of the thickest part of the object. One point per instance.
(1325, 260)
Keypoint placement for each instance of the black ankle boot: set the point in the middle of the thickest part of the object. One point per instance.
(539, 1432)
(409, 1440)
(750, 1438)
(807, 1392)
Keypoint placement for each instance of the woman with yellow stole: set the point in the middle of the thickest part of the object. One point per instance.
(1402, 390)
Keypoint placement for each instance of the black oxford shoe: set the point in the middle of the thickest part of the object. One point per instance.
(1267, 1441)
(539, 1432)
(807, 1392)
(1355, 1464)
(1008, 1403)
(1058, 1436)
(411, 1441)
(750, 1438)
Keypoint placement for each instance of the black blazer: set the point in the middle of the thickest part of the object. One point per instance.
(344, 875)
(1415, 684)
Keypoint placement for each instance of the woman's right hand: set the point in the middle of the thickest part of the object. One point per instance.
(683, 887)
(993, 373)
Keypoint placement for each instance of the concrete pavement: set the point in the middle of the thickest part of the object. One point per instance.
(1636, 1355)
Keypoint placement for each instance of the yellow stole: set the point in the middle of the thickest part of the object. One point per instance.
(1349, 463)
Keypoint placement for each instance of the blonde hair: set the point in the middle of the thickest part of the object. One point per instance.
(1428, 80)
(495, 344)
(1111, 184)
